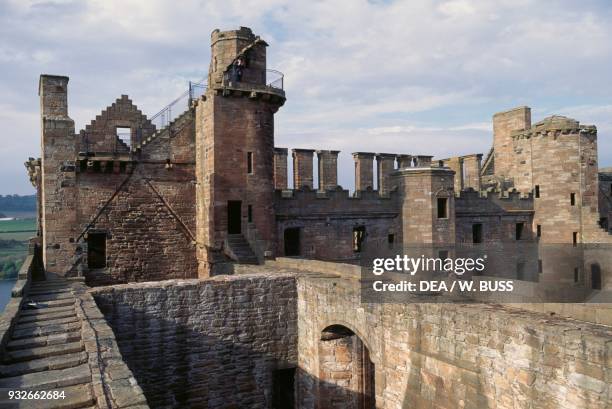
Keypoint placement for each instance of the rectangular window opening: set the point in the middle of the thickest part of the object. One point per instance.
(477, 233)
(576, 274)
(540, 266)
(539, 230)
(125, 135)
(250, 213)
(358, 238)
(575, 238)
(519, 231)
(390, 240)
(442, 208)
(283, 388)
(573, 199)
(249, 162)
(537, 191)
(96, 250)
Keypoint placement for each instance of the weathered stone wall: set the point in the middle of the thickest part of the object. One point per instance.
(326, 221)
(212, 343)
(142, 197)
(504, 123)
(497, 214)
(605, 200)
(419, 191)
(449, 356)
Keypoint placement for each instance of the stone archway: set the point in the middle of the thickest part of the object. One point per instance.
(346, 372)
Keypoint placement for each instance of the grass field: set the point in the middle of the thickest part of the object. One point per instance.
(14, 235)
(17, 225)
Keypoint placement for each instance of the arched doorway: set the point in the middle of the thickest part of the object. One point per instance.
(346, 373)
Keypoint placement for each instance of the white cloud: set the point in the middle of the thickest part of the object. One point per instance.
(410, 75)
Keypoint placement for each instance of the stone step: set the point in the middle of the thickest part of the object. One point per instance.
(42, 323)
(43, 364)
(76, 397)
(36, 342)
(52, 297)
(69, 312)
(47, 306)
(59, 378)
(57, 286)
(44, 291)
(21, 355)
(46, 330)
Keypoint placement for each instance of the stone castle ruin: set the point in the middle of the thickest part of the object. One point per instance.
(188, 274)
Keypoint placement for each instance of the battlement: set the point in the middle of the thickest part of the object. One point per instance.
(554, 125)
(469, 200)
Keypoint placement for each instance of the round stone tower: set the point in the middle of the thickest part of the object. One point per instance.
(235, 153)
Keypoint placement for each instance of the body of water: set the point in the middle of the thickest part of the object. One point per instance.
(5, 292)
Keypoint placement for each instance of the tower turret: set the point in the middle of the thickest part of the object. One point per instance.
(235, 152)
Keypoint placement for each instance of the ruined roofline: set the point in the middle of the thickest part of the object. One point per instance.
(338, 193)
(556, 124)
(519, 108)
(510, 194)
(471, 155)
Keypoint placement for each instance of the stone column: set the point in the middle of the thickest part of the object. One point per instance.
(364, 174)
(404, 161)
(471, 171)
(280, 168)
(456, 164)
(302, 168)
(423, 161)
(385, 165)
(328, 169)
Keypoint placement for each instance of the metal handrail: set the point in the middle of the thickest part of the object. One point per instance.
(275, 79)
(167, 114)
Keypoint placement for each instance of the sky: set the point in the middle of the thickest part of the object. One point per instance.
(414, 76)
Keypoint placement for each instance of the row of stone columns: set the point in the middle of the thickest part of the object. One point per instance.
(328, 168)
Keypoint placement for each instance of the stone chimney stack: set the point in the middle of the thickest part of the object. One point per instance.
(328, 169)
(302, 168)
(280, 168)
(385, 163)
(404, 161)
(423, 161)
(364, 174)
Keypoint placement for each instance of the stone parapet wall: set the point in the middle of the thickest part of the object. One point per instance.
(212, 343)
(448, 356)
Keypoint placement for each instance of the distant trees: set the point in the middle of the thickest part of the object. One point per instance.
(18, 203)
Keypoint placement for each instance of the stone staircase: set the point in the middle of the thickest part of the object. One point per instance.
(176, 125)
(45, 350)
(241, 249)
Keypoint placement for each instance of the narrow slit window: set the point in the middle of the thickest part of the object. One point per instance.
(250, 213)
(390, 240)
(358, 238)
(537, 191)
(442, 208)
(249, 162)
(575, 238)
(539, 230)
(477, 233)
(573, 199)
(540, 266)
